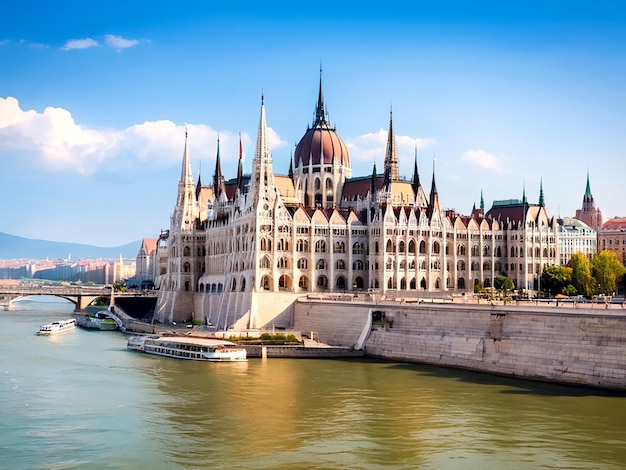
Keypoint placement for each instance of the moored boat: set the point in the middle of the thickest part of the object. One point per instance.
(100, 320)
(57, 327)
(189, 347)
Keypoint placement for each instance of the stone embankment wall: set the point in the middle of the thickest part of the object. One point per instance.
(565, 345)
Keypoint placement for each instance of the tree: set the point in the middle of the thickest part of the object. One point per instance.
(555, 279)
(607, 269)
(581, 274)
(503, 283)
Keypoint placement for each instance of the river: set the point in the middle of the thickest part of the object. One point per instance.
(81, 400)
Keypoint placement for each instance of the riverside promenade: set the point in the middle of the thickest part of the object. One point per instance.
(577, 344)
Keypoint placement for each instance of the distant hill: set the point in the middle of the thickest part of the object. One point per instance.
(13, 247)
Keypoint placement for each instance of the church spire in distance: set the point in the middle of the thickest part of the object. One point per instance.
(392, 172)
(320, 113)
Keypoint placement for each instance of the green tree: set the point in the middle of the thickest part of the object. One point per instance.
(582, 279)
(555, 279)
(503, 283)
(606, 270)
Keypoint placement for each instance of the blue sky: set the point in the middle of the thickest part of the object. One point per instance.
(94, 97)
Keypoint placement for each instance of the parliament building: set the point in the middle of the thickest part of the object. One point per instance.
(240, 251)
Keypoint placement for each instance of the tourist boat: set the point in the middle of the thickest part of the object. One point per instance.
(100, 320)
(57, 327)
(189, 347)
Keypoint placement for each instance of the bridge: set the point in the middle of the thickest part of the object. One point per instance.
(81, 296)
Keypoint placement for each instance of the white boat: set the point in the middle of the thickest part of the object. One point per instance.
(189, 347)
(57, 327)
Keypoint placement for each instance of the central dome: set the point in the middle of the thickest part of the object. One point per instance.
(321, 145)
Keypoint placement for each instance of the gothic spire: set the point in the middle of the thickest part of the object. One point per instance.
(392, 172)
(262, 185)
(218, 178)
(541, 200)
(587, 197)
(240, 166)
(290, 174)
(373, 183)
(199, 183)
(183, 216)
(482, 201)
(524, 200)
(320, 114)
(416, 176)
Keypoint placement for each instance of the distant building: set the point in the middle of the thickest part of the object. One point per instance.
(576, 236)
(146, 263)
(612, 237)
(589, 214)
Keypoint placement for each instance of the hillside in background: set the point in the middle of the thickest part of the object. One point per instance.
(13, 247)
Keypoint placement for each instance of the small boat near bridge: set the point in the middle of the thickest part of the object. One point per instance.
(189, 347)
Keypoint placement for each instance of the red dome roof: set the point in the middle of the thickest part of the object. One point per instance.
(321, 145)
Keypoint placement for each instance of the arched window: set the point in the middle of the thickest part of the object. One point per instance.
(475, 250)
(243, 284)
(264, 263)
(422, 247)
(318, 184)
(460, 250)
(389, 248)
(233, 285)
(486, 266)
(320, 246)
(186, 267)
(401, 246)
(357, 248)
(341, 264)
(461, 283)
(412, 246)
(186, 251)
(322, 282)
(436, 248)
(321, 264)
(302, 245)
(412, 284)
(341, 282)
(357, 265)
(283, 262)
(486, 250)
(340, 247)
(302, 263)
(303, 283)
(460, 266)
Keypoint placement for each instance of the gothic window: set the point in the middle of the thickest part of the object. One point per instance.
(475, 250)
(475, 266)
(460, 250)
(423, 283)
(187, 286)
(436, 248)
(422, 247)
(341, 282)
(264, 263)
(357, 265)
(243, 284)
(266, 282)
(438, 283)
(461, 283)
(186, 267)
(233, 286)
(389, 247)
(498, 251)
(283, 263)
(486, 250)
(358, 283)
(341, 264)
(322, 282)
(302, 263)
(412, 246)
(340, 247)
(303, 283)
(486, 266)
(401, 247)
(321, 264)
(402, 265)
(403, 284)
(357, 248)
(423, 265)
(376, 249)
(318, 184)
(320, 246)
(412, 265)
(460, 266)
(186, 251)
(413, 284)
(302, 245)
(512, 252)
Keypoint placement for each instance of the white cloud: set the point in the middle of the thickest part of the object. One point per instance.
(490, 161)
(85, 43)
(53, 141)
(371, 147)
(118, 42)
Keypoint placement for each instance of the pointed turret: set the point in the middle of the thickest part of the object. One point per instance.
(262, 186)
(240, 166)
(541, 200)
(524, 200)
(416, 177)
(183, 216)
(199, 183)
(392, 172)
(433, 205)
(373, 184)
(320, 113)
(482, 202)
(219, 188)
(290, 174)
(587, 197)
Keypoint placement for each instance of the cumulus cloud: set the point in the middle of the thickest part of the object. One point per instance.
(371, 147)
(52, 141)
(84, 43)
(118, 42)
(489, 161)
